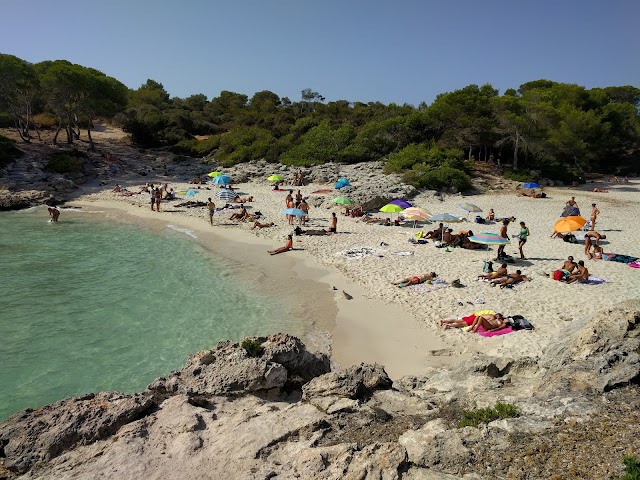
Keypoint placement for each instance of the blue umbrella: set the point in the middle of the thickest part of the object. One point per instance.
(343, 182)
(446, 218)
(531, 185)
(190, 193)
(295, 211)
(222, 179)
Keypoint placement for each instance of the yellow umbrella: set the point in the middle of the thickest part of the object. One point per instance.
(391, 208)
(213, 174)
(569, 224)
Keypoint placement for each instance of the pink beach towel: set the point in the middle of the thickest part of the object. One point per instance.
(494, 333)
(635, 264)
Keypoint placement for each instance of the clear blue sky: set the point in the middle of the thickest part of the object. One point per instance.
(402, 51)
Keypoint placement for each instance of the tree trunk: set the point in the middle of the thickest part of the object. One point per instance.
(92, 147)
(515, 153)
(55, 137)
(20, 131)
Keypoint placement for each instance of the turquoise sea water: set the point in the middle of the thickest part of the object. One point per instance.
(90, 305)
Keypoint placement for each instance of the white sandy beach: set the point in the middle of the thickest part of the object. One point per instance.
(397, 327)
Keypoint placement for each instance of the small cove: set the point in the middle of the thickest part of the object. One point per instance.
(98, 302)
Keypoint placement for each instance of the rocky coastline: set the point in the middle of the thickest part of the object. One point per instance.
(268, 408)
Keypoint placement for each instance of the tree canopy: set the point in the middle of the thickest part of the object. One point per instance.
(561, 129)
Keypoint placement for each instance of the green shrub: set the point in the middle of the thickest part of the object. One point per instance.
(437, 178)
(69, 161)
(473, 418)
(632, 468)
(252, 347)
(45, 120)
(6, 120)
(517, 176)
(8, 151)
(185, 147)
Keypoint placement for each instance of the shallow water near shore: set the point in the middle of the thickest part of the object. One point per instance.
(90, 304)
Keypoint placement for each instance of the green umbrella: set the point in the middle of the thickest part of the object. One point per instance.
(391, 208)
(342, 201)
(275, 178)
(213, 174)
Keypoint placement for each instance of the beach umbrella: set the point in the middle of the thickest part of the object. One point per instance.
(487, 238)
(222, 179)
(190, 193)
(402, 203)
(227, 195)
(214, 174)
(391, 208)
(531, 185)
(342, 201)
(415, 214)
(569, 224)
(469, 207)
(275, 178)
(295, 212)
(343, 182)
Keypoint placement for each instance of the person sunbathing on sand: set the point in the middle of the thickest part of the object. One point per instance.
(437, 233)
(262, 225)
(415, 279)
(287, 246)
(243, 199)
(599, 190)
(500, 273)
(489, 321)
(241, 215)
(510, 279)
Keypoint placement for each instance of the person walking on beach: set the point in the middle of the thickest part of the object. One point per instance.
(503, 234)
(333, 227)
(54, 213)
(290, 204)
(304, 206)
(158, 198)
(594, 215)
(524, 234)
(212, 209)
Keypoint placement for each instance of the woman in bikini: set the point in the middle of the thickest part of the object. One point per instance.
(489, 322)
(416, 279)
(287, 246)
(524, 234)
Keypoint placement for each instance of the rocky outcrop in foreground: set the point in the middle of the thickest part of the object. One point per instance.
(278, 411)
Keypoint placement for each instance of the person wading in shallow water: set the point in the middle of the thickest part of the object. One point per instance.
(54, 213)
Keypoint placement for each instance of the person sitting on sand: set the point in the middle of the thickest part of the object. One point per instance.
(599, 190)
(117, 188)
(287, 246)
(169, 194)
(597, 252)
(569, 265)
(581, 276)
(416, 279)
(196, 180)
(299, 231)
(262, 225)
(489, 321)
(499, 273)
(437, 233)
(491, 216)
(509, 279)
(241, 215)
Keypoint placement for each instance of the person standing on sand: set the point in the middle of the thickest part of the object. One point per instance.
(304, 206)
(212, 209)
(594, 216)
(298, 197)
(158, 198)
(587, 242)
(54, 213)
(503, 234)
(152, 197)
(524, 234)
(572, 202)
(333, 227)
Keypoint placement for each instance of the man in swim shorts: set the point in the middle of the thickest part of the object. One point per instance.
(333, 227)
(212, 210)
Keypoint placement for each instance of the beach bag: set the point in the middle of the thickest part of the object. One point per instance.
(488, 267)
(570, 238)
(479, 219)
(558, 274)
(518, 322)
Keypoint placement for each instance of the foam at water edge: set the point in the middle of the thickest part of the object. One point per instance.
(186, 231)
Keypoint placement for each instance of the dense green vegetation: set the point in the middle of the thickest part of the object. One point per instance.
(560, 130)
(632, 468)
(474, 418)
(69, 161)
(8, 151)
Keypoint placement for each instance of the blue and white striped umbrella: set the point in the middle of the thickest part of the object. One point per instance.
(227, 195)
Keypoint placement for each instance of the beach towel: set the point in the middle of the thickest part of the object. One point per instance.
(595, 280)
(322, 191)
(428, 287)
(357, 252)
(615, 257)
(403, 254)
(494, 333)
(634, 264)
